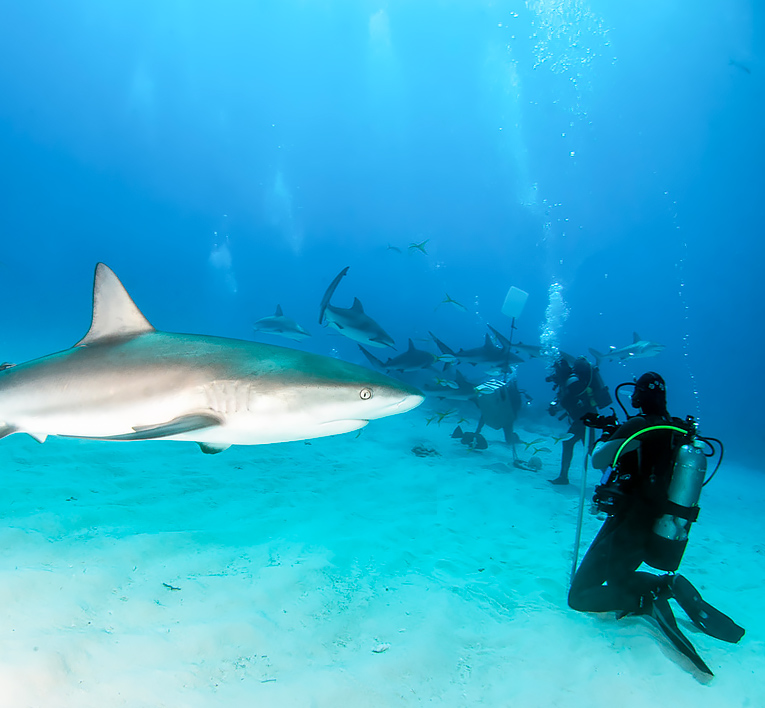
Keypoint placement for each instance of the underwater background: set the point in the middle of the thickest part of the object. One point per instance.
(223, 158)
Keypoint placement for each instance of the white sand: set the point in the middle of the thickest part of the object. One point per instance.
(347, 572)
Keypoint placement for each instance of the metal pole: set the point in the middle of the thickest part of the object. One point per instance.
(580, 518)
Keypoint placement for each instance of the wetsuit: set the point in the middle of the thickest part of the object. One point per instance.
(576, 401)
(607, 578)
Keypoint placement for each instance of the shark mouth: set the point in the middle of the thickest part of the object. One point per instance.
(344, 425)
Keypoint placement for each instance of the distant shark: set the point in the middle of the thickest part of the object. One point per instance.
(281, 325)
(412, 359)
(353, 322)
(127, 381)
(457, 389)
(448, 355)
(639, 349)
(487, 355)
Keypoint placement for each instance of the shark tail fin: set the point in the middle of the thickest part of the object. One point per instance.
(330, 291)
(115, 314)
(501, 338)
(372, 358)
(441, 346)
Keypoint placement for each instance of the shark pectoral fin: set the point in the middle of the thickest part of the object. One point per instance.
(212, 449)
(177, 426)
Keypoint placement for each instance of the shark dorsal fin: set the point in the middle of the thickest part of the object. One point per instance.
(357, 306)
(488, 343)
(411, 345)
(459, 378)
(635, 337)
(115, 314)
(278, 312)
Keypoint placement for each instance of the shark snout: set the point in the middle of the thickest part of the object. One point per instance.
(402, 401)
(409, 402)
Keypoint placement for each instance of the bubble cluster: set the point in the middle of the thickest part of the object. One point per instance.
(556, 315)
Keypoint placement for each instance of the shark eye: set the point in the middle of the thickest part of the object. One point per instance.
(365, 394)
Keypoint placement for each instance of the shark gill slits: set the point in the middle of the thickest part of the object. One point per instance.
(365, 394)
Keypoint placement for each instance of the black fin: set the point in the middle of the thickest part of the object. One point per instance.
(458, 433)
(480, 442)
(707, 618)
(662, 613)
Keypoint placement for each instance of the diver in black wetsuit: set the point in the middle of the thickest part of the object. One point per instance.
(608, 577)
(499, 402)
(575, 398)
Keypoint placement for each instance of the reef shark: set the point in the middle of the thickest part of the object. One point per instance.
(127, 381)
(412, 359)
(639, 349)
(353, 322)
(488, 355)
(457, 389)
(281, 325)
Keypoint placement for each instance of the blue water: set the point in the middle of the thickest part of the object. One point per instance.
(616, 151)
(227, 157)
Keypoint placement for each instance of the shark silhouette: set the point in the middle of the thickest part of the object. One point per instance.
(352, 322)
(127, 381)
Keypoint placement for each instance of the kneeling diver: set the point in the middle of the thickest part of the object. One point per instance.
(651, 497)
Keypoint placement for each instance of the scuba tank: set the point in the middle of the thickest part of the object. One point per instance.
(598, 389)
(679, 508)
(670, 532)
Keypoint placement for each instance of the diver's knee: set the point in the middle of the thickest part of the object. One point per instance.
(575, 600)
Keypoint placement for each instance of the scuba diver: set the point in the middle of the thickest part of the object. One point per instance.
(581, 392)
(651, 494)
(499, 402)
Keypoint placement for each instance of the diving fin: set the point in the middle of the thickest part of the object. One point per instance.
(479, 442)
(708, 619)
(475, 441)
(662, 613)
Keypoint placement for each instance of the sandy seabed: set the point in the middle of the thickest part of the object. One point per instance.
(342, 572)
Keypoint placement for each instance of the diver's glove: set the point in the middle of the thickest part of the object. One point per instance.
(607, 423)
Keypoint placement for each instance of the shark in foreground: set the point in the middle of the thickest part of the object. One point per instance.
(639, 349)
(127, 381)
(352, 321)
